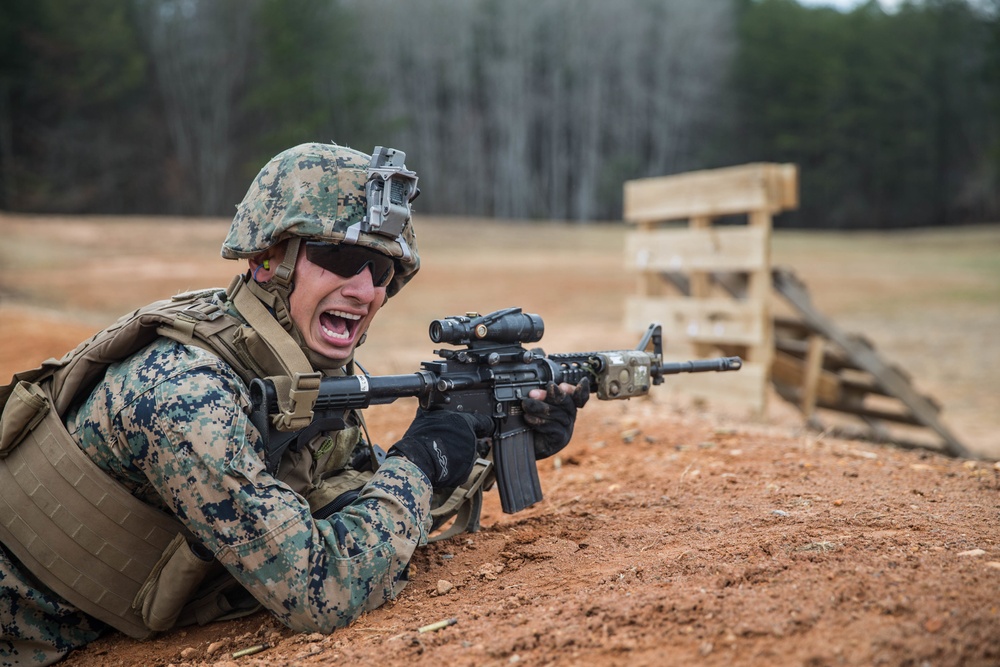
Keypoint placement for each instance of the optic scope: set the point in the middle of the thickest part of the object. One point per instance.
(503, 326)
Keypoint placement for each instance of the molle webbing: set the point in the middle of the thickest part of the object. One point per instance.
(74, 528)
(79, 370)
(82, 534)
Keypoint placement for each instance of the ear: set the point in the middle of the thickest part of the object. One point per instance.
(262, 266)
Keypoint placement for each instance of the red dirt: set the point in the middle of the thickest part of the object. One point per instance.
(669, 533)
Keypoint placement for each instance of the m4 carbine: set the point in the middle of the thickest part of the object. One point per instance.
(488, 372)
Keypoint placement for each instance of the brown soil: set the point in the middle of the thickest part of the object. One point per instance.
(670, 533)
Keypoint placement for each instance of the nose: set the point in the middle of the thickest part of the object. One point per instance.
(360, 286)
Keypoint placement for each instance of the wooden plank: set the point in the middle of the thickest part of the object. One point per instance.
(834, 360)
(715, 192)
(648, 283)
(864, 356)
(715, 320)
(707, 249)
(701, 284)
(789, 372)
(731, 283)
(759, 289)
(810, 381)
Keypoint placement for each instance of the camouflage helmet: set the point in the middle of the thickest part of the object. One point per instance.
(320, 192)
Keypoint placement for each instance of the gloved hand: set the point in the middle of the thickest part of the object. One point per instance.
(442, 443)
(553, 417)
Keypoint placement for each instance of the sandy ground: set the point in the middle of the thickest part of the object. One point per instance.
(671, 532)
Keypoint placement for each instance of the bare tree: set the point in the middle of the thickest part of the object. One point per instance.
(199, 50)
(541, 108)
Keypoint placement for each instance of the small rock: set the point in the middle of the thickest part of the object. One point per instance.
(972, 552)
(214, 648)
(706, 648)
(189, 653)
(630, 435)
(862, 454)
(444, 587)
(779, 512)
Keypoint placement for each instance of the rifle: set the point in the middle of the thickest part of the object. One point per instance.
(490, 375)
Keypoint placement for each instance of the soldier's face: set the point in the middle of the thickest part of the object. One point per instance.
(331, 311)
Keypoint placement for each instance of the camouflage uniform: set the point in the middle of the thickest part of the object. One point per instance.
(47, 628)
(170, 424)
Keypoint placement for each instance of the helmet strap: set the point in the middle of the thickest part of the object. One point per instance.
(278, 290)
(283, 273)
(276, 295)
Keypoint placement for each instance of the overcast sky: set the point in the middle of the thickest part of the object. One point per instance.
(846, 4)
(888, 5)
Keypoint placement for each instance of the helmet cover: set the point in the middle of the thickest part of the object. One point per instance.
(317, 192)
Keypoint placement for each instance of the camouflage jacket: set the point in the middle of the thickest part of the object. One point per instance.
(170, 424)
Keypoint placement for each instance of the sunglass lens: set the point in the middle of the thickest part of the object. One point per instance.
(347, 261)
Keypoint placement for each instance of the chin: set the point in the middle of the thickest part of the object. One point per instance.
(339, 354)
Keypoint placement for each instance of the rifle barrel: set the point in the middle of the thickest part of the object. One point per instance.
(718, 364)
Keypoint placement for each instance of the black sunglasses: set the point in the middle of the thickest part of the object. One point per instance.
(350, 260)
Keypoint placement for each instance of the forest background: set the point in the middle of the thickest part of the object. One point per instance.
(506, 108)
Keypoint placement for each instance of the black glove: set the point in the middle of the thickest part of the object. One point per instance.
(553, 418)
(442, 443)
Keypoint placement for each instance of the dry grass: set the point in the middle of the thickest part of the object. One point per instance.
(929, 300)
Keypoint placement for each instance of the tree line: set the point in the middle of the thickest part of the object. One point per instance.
(506, 108)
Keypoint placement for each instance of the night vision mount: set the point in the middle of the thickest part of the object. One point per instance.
(390, 189)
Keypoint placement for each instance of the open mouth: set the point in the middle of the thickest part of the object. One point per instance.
(339, 325)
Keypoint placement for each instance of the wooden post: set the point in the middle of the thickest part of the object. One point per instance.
(813, 369)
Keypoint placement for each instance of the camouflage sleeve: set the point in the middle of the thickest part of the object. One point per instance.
(188, 433)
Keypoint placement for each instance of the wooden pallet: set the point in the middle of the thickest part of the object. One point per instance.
(818, 366)
(710, 283)
(695, 225)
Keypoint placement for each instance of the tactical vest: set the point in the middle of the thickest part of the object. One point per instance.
(86, 537)
(83, 534)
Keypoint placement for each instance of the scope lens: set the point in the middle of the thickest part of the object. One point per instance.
(436, 331)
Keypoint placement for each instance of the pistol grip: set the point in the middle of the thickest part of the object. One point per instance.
(517, 474)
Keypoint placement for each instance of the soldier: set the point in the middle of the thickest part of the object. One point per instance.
(134, 492)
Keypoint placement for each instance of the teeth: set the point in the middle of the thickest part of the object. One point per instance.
(334, 334)
(346, 316)
(343, 315)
